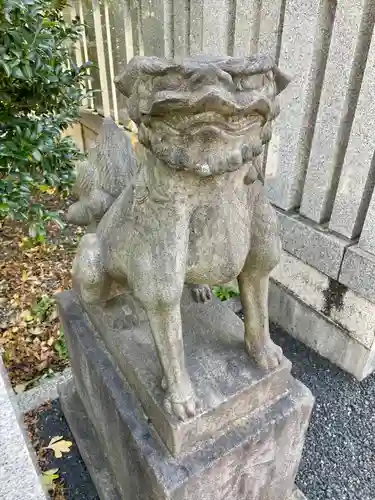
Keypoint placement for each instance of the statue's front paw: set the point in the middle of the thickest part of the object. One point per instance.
(181, 401)
(267, 356)
(201, 293)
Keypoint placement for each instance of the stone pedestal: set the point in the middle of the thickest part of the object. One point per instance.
(245, 442)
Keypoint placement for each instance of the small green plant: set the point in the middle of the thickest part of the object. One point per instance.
(225, 292)
(42, 308)
(60, 346)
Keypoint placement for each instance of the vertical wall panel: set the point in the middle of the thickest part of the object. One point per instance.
(271, 26)
(101, 56)
(282, 173)
(110, 61)
(358, 176)
(367, 239)
(324, 164)
(157, 27)
(90, 100)
(216, 23)
(247, 24)
(181, 28)
(128, 28)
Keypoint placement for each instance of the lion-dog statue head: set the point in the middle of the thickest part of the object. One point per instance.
(204, 114)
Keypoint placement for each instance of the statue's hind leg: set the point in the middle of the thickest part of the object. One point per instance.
(90, 279)
(253, 283)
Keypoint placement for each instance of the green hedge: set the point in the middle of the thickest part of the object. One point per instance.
(40, 94)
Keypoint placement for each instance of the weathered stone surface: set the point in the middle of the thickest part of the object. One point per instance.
(316, 331)
(19, 478)
(157, 28)
(312, 244)
(357, 176)
(44, 391)
(297, 495)
(75, 132)
(102, 177)
(227, 384)
(90, 447)
(246, 27)
(367, 238)
(358, 272)
(285, 169)
(177, 219)
(327, 146)
(256, 456)
(270, 28)
(350, 311)
(100, 468)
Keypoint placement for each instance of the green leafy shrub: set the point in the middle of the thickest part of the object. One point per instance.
(40, 94)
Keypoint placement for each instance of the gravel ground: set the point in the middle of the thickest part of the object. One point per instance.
(339, 456)
(338, 462)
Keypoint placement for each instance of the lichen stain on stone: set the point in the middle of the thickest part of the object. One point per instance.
(334, 296)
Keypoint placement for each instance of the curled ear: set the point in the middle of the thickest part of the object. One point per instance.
(281, 79)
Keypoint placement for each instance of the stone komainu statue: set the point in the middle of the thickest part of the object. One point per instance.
(194, 210)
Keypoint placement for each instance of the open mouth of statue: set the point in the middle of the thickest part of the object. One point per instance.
(209, 121)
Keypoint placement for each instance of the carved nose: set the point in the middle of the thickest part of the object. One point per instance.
(209, 76)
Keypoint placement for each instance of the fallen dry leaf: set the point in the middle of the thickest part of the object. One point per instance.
(19, 388)
(59, 446)
(27, 275)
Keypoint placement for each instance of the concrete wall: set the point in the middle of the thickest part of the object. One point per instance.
(320, 169)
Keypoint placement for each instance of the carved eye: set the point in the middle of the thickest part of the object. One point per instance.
(252, 82)
(171, 81)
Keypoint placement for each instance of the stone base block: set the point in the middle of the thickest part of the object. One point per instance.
(325, 315)
(235, 456)
(101, 471)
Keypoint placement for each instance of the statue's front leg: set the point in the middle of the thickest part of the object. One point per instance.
(157, 276)
(165, 322)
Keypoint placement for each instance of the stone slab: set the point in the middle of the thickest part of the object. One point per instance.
(358, 272)
(229, 386)
(75, 132)
(330, 127)
(367, 238)
(285, 171)
(319, 332)
(19, 477)
(246, 27)
(355, 314)
(270, 28)
(257, 457)
(357, 175)
(96, 461)
(45, 391)
(297, 495)
(312, 243)
(90, 448)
